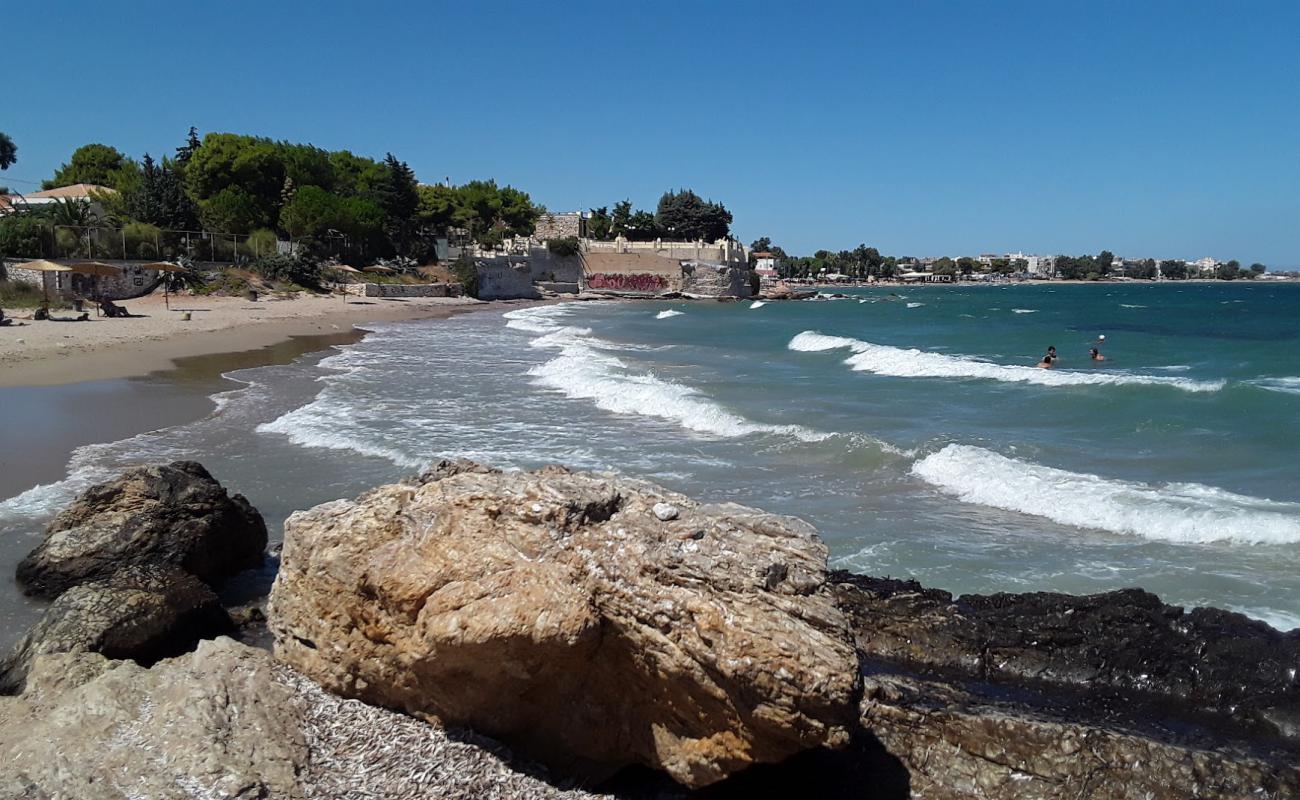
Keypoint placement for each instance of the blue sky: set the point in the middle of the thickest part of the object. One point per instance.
(921, 128)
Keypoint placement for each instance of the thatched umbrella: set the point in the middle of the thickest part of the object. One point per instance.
(96, 269)
(165, 266)
(347, 270)
(42, 265)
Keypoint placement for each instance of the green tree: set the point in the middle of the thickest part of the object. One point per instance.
(1105, 260)
(599, 224)
(96, 164)
(1256, 270)
(158, 197)
(642, 226)
(621, 220)
(944, 266)
(399, 199)
(1229, 271)
(8, 151)
(236, 181)
(1173, 269)
(966, 265)
(685, 215)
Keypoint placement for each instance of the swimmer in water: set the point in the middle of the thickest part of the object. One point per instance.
(1096, 355)
(1046, 363)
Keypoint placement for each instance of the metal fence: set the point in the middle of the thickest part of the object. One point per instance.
(141, 242)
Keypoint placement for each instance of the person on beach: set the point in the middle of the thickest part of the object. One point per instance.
(1096, 355)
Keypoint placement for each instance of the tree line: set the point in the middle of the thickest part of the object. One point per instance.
(864, 262)
(680, 216)
(335, 201)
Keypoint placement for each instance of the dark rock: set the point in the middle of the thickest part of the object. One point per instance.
(173, 514)
(1124, 641)
(141, 613)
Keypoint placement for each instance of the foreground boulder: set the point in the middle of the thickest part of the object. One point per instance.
(561, 613)
(141, 613)
(227, 721)
(174, 514)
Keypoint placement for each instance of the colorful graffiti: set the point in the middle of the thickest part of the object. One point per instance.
(644, 282)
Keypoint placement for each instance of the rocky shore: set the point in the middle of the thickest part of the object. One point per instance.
(477, 633)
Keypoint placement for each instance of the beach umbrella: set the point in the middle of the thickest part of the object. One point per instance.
(95, 269)
(347, 270)
(165, 266)
(41, 265)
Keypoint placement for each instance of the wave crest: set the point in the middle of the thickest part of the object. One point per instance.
(1176, 512)
(900, 362)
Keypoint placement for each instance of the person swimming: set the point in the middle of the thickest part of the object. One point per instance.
(1047, 362)
(1096, 355)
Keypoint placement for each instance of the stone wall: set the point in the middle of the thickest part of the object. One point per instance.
(505, 282)
(404, 289)
(133, 282)
(723, 251)
(715, 280)
(558, 226)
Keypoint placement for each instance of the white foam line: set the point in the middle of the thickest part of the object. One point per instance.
(912, 363)
(1175, 512)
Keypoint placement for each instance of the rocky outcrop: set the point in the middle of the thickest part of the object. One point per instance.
(141, 613)
(560, 613)
(227, 721)
(174, 514)
(1046, 696)
(1123, 642)
(703, 279)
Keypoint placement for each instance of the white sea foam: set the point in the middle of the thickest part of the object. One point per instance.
(1130, 305)
(1282, 620)
(586, 369)
(1175, 512)
(1024, 310)
(912, 363)
(669, 313)
(915, 305)
(757, 304)
(1287, 385)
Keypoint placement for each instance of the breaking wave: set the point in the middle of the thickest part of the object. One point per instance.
(661, 315)
(912, 363)
(1175, 512)
(1024, 311)
(1287, 385)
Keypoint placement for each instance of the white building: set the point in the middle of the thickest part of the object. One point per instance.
(1038, 266)
(767, 265)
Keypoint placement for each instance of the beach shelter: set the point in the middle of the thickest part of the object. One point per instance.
(347, 270)
(96, 269)
(42, 265)
(167, 267)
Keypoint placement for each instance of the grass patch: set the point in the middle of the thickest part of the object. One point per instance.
(16, 294)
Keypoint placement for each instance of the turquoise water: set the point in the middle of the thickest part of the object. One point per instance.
(911, 429)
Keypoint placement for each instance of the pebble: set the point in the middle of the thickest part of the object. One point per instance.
(665, 511)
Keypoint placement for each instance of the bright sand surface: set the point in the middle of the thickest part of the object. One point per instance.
(49, 353)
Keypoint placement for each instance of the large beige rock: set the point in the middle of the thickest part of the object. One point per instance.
(213, 723)
(227, 721)
(560, 613)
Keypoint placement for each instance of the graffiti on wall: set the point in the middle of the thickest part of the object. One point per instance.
(628, 283)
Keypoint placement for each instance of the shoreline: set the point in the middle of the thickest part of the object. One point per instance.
(54, 354)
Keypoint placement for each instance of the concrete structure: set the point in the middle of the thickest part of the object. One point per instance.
(404, 289)
(497, 281)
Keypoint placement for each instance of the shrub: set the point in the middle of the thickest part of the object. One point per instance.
(141, 239)
(566, 246)
(24, 235)
(261, 242)
(464, 271)
(288, 269)
(16, 294)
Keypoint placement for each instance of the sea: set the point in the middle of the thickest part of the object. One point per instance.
(909, 425)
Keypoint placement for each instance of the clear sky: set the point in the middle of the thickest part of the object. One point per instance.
(1165, 129)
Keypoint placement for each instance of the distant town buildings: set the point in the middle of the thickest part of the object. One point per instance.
(767, 265)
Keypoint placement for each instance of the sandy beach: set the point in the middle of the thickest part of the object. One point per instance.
(52, 353)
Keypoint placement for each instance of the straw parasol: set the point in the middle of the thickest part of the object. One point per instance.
(42, 265)
(96, 269)
(344, 268)
(165, 266)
